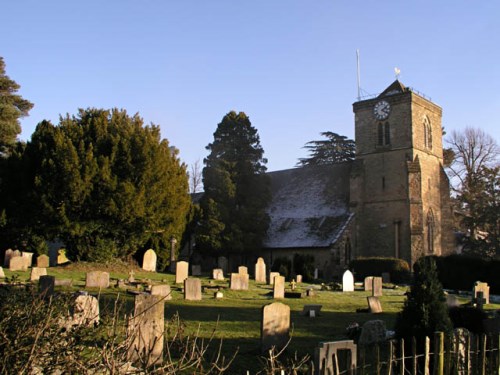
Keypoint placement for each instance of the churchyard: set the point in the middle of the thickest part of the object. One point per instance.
(231, 309)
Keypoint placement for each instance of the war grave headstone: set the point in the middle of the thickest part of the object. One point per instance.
(149, 261)
(260, 271)
(327, 353)
(196, 270)
(181, 272)
(275, 326)
(368, 283)
(299, 279)
(2, 274)
(272, 275)
(7, 256)
(348, 281)
(42, 261)
(162, 290)
(146, 329)
(218, 274)
(374, 305)
(97, 279)
(386, 277)
(28, 256)
(279, 287)
(242, 270)
(85, 310)
(192, 289)
(222, 264)
(239, 281)
(482, 287)
(36, 272)
(46, 285)
(18, 263)
(377, 287)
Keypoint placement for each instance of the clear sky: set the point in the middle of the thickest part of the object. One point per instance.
(289, 65)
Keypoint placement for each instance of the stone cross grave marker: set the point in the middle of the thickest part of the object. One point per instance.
(7, 256)
(239, 281)
(36, 272)
(18, 264)
(272, 275)
(275, 326)
(377, 287)
(196, 270)
(293, 284)
(192, 289)
(42, 261)
(131, 276)
(260, 271)
(162, 290)
(46, 285)
(97, 279)
(482, 287)
(242, 270)
(327, 353)
(146, 330)
(348, 281)
(279, 287)
(218, 274)
(374, 305)
(149, 261)
(181, 272)
(368, 283)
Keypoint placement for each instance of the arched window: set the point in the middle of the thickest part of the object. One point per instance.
(430, 232)
(427, 133)
(384, 134)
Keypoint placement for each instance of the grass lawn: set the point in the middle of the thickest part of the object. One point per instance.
(236, 318)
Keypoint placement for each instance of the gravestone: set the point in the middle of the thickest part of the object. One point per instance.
(239, 281)
(377, 287)
(260, 271)
(218, 295)
(53, 253)
(218, 274)
(316, 274)
(36, 272)
(46, 285)
(299, 279)
(482, 287)
(146, 330)
(85, 311)
(192, 289)
(348, 282)
(131, 277)
(272, 275)
(97, 279)
(242, 270)
(63, 282)
(181, 271)
(386, 277)
(2, 274)
(149, 261)
(327, 354)
(222, 264)
(196, 270)
(16, 253)
(61, 257)
(275, 326)
(368, 283)
(42, 261)
(162, 290)
(28, 256)
(18, 264)
(374, 305)
(306, 310)
(310, 293)
(372, 332)
(7, 256)
(279, 287)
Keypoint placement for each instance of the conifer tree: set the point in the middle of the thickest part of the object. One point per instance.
(236, 189)
(334, 149)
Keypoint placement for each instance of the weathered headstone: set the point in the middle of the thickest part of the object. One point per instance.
(386, 277)
(63, 282)
(97, 279)
(149, 261)
(372, 332)
(196, 270)
(482, 287)
(299, 279)
(368, 283)
(36, 272)
(272, 275)
(222, 264)
(16, 253)
(310, 293)
(374, 305)
(217, 274)
(42, 261)
(162, 290)
(46, 285)
(218, 295)
(192, 289)
(2, 274)
(316, 274)
(275, 326)
(377, 287)
(327, 353)
(239, 281)
(348, 281)
(279, 287)
(306, 310)
(7, 256)
(18, 264)
(146, 330)
(85, 311)
(260, 271)
(242, 270)
(61, 257)
(181, 271)
(28, 256)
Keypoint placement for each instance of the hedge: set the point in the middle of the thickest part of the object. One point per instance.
(375, 266)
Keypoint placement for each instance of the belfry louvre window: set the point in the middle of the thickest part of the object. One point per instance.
(427, 133)
(384, 134)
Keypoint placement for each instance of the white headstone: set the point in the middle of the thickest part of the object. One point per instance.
(348, 282)
(279, 287)
(260, 271)
(275, 326)
(181, 271)
(217, 274)
(36, 272)
(149, 261)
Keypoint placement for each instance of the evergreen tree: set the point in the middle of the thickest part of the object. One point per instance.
(335, 149)
(12, 108)
(425, 310)
(236, 189)
(106, 185)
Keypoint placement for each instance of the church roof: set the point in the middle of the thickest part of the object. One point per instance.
(309, 207)
(394, 88)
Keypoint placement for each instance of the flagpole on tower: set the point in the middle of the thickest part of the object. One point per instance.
(359, 79)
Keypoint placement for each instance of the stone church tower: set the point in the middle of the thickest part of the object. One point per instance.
(399, 191)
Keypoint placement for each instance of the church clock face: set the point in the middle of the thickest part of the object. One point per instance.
(382, 110)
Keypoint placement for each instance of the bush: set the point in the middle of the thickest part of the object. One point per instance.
(283, 266)
(468, 317)
(375, 266)
(304, 265)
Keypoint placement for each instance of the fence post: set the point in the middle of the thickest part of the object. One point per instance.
(389, 358)
(448, 348)
(402, 354)
(467, 355)
(439, 353)
(377, 359)
(414, 356)
(482, 355)
(426, 355)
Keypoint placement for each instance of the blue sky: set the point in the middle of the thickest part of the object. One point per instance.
(289, 65)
